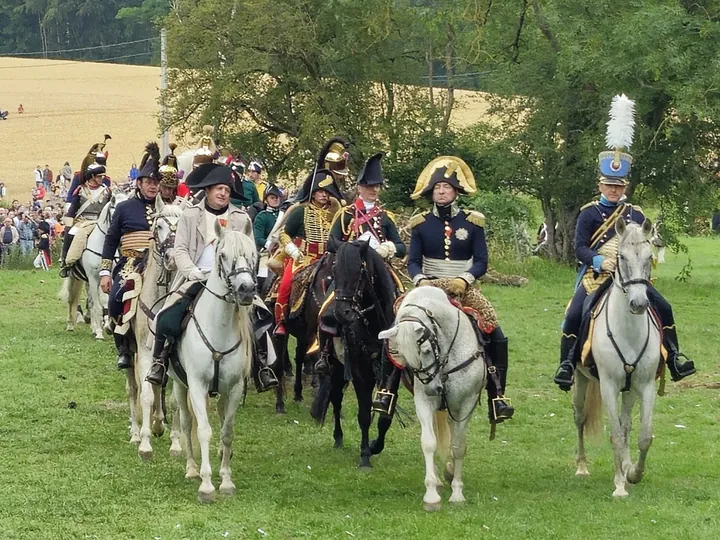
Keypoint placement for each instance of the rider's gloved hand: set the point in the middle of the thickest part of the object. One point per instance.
(608, 265)
(196, 275)
(386, 250)
(457, 287)
(294, 251)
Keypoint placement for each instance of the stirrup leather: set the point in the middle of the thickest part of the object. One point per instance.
(380, 393)
(504, 398)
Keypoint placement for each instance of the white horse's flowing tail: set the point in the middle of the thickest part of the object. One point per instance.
(593, 409)
(64, 292)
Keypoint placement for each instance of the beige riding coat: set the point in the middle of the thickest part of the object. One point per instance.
(190, 242)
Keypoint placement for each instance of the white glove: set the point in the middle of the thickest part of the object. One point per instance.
(386, 250)
(196, 275)
(294, 251)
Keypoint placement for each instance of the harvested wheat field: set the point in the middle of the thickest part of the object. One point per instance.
(71, 105)
(68, 107)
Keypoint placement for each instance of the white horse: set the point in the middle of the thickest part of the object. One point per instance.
(438, 344)
(626, 345)
(217, 346)
(156, 282)
(90, 266)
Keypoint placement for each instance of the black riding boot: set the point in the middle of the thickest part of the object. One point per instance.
(386, 398)
(499, 408)
(124, 357)
(262, 374)
(67, 240)
(158, 369)
(564, 374)
(678, 370)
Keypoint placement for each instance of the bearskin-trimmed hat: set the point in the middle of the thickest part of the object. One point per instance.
(168, 169)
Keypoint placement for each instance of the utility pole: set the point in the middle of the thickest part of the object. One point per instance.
(163, 88)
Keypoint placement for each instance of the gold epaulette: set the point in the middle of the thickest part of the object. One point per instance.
(588, 205)
(390, 215)
(637, 208)
(476, 218)
(417, 220)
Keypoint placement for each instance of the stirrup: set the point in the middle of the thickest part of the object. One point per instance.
(164, 372)
(273, 381)
(378, 398)
(507, 401)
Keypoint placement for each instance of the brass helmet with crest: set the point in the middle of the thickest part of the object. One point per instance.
(96, 154)
(169, 169)
(206, 150)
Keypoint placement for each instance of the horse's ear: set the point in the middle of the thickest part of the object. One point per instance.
(363, 248)
(219, 229)
(159, 203)
(647, 228)
(389, 333)
(332, 244)
(620, 226)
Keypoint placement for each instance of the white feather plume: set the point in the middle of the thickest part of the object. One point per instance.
(621, 126)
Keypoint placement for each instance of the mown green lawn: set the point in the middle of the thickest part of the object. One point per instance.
(70, 472)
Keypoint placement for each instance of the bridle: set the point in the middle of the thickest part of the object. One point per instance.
(355, 299)
(426, 374)
(622, 282)
(161, 248)
(226, 276)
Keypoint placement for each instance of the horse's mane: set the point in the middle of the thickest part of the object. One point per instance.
(172, 210)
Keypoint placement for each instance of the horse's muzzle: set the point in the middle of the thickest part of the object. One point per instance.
(638, 307)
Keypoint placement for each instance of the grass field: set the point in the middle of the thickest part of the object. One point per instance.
(70, 105)
(70, 472)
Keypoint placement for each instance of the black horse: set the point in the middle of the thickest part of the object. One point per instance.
(303, 326)
(363, 307)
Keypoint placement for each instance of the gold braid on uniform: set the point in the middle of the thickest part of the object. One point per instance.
(417, 220)
(476, 218)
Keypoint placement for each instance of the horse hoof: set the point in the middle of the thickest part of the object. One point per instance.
(145, 455)
(86, 320)
(135, 439)
(431, 507)
(633, 476)
(365, 466)
(206, 497)
(192, 474)
(69, 328)
(175, 452)
(158, 429)
(228, 490)
(376, 448)
(620, 493)
(448, 475)
(582, 472)
(298, 399)
(460, 499)
(280, 409)
(338, 443)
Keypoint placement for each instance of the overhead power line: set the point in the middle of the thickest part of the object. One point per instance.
(98, 61)
(83, 48)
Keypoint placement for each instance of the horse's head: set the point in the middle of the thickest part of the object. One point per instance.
(414, 339)
(235, 262)
(164, 229)
(350, 276)
(634, 262)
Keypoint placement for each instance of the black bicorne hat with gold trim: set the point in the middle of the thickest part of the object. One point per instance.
(321, 179)
(449, 169)
(169, 169)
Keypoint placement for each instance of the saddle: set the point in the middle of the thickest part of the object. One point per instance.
(582, 351)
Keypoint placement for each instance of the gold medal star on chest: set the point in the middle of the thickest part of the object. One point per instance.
(462, 234)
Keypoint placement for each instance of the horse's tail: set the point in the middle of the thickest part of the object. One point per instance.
(64, 292)
(320, 404)
(593, 410)
(442, 435)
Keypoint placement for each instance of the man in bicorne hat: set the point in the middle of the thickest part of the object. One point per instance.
(305, 234)
(194, 258)
(596, 247)
(86, 203)
(130, 232)
(448, 250)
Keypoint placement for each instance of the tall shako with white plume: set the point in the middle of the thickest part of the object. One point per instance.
(615, 164)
